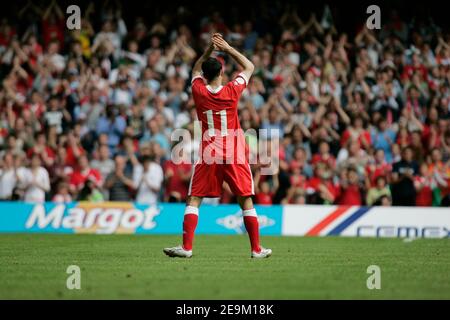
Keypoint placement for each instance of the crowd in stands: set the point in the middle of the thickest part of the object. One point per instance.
(88, 114)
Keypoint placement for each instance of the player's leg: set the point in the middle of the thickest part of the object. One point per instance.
(206, 181)
(239, 178)
(250, 221)
(252, 226)
(190, 221)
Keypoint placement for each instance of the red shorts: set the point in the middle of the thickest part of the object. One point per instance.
(207, 180)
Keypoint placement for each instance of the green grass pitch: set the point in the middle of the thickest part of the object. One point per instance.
(34, 266)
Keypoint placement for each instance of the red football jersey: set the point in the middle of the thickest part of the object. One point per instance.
(78, 178)
(222, 136)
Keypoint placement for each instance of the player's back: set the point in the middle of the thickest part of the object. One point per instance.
(217, 109)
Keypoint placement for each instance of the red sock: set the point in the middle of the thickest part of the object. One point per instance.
(252, 227)
(189, 225)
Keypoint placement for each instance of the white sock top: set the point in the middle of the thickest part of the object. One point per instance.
(191, 210)
(249, 213)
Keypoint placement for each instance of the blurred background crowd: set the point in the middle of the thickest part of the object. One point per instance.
(363, 115)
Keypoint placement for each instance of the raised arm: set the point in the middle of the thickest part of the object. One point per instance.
(246, 64)
(197, 69)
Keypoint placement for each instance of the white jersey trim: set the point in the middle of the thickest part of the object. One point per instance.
(251, 177)
(192, 177)
(196, 77)
(216, 90)
(243, 76)
(190, 182)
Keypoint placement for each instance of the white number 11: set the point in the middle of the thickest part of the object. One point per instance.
(223, 122)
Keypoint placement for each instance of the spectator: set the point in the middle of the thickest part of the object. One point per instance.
(62, 193)
(352, 155)
(119, 183)
(384, 201)
(113, 125)
(153, 133)
(8, 177)
(148, 179)
(263, 194)
(42, 149)
(74, 149)
(357, 132)
(324, 156)
(378, 191)
(403, 191)
(300, 160)
(273, 126)
(82, 174)
(54, 116)
(103, 162)
(36, 181)
(350, 193)
(321, 186)
(295, 196)
(177, 177)
(53, 24)
(423, 185)
(382, 138)
(378, 166)
(90, 192)
(93, 108)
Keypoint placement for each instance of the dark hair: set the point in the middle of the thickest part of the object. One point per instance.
(408, 147)
(39, 133)
(379, 201)
(211, 68)
(54, 97)
(380, 121)
(146, 158)
(352, 169)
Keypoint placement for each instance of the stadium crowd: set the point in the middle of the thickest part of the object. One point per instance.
(87, 114)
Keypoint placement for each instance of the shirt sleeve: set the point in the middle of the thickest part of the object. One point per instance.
(197, 83)
(196, 78)
(238, 85)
